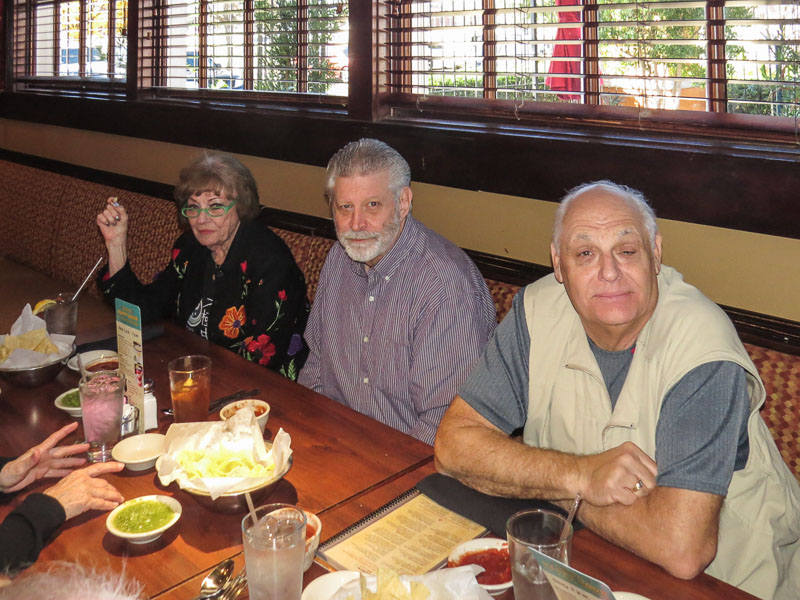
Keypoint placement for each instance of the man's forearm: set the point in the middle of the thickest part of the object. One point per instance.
(674, 528)
(493, 463)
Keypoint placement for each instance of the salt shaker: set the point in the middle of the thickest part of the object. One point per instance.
(150, 406)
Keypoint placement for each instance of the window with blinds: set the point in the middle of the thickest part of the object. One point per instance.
(73, 40)
(737, 56)
(281, 46)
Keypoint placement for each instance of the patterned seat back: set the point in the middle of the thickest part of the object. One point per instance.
(780, 373)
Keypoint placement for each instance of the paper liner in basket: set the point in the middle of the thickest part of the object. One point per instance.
(22, 358)
(458, 583)
(239, 434)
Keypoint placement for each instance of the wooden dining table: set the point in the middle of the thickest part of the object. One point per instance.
(345, 466)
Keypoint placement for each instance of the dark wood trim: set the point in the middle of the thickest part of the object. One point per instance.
(756, 328)
(732, 184)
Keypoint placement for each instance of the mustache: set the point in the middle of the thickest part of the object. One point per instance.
(360, 235)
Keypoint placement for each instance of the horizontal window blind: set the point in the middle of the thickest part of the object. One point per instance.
(72, 40)
(281, 46)
(736, 56)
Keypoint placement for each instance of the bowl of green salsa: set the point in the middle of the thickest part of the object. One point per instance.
(70, 402)
(144, 519)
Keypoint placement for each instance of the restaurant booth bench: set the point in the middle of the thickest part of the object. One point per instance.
(48, 232)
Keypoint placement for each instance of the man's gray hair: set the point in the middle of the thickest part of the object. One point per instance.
(67, 581)
(366, 157)
(634, 197)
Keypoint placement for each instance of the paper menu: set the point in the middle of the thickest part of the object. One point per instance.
(131, 358)
(411, 535)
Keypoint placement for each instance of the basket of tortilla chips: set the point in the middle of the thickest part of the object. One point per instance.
(218, 462)
(29, 356)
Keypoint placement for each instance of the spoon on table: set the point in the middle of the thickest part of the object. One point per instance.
(216, 580)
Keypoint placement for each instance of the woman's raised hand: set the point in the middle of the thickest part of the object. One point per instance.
(113, 221)
(113, 224)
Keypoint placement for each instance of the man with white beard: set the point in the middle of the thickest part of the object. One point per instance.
(401, 313)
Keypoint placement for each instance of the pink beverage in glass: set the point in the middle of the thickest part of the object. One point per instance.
(190, 387)
(273, 552)
(102, 396)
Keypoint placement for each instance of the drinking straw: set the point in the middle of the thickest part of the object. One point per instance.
(251, 507)
(94, 268)
(570, 516)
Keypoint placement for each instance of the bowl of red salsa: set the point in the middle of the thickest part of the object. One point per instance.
(489, 553)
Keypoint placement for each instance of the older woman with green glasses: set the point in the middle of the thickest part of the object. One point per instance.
(231, 279)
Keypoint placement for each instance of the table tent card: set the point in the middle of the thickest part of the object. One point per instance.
(131, 359)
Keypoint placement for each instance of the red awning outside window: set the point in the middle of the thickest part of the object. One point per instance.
(566, 84)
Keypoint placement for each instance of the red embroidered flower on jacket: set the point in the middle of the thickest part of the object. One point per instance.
(264, 346)
(232, 321)
(282, 295)
(175, 253)
(243, 265)
(267, 355)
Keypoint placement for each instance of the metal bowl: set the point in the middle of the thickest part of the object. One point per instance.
(236, 502)
(35, 376)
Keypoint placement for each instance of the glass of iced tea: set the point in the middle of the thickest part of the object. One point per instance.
(190, 387)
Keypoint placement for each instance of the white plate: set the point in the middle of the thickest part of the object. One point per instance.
(87, 357)
(72, 411)
(325, 586)
(139, 452)
(628, 596)
(147, 536)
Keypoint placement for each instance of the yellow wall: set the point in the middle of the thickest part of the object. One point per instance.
(746, 270)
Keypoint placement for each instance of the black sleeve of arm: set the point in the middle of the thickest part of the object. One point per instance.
(25, 530)
(156, 300)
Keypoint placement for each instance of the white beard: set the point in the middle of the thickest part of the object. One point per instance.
(380, 242)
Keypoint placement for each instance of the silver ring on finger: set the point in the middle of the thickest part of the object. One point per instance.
(116, 217)
(637, 486)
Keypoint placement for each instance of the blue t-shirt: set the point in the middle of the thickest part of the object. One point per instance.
(701, 435)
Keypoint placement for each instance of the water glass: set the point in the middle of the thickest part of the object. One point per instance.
(539, 530)
(273, 552)
(190, 387)
(102, 395)
(62, 317)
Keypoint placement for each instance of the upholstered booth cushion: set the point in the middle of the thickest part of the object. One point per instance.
(781, 411)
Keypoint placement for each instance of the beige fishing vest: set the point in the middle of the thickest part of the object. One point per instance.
(569, 410)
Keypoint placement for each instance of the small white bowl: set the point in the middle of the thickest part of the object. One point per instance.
(139, 452)
(476, 546)
(629, 596)
(72, 411)
(312, 543)
(147, 536)
(90, 356)
(227, 411)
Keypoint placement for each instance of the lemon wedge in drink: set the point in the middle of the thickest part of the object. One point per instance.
(42, 305)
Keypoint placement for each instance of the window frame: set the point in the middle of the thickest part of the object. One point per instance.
(716, 122)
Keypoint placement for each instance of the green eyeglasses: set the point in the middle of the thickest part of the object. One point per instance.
(215, 210)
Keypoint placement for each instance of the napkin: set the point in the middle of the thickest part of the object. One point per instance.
(444, 584)
(23, 358)
(240, 433)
